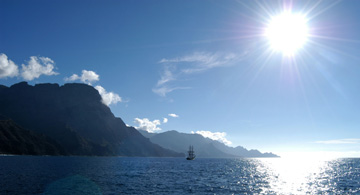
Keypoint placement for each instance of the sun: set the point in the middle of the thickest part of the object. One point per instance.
(287, 33)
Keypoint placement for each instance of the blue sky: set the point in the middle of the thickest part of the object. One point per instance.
(208, 62)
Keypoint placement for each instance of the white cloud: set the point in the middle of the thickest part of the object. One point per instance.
(37, 67)
(178, 68)
(173, 115)
(87, 76)
(218, 136)
(108, 97)
(340, 141)
(73, 77)
(165, 120)
(147, 125)
(7, 67)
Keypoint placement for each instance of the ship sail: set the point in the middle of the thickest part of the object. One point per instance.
(191, 154)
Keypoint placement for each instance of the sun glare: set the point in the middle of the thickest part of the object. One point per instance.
(287, 33)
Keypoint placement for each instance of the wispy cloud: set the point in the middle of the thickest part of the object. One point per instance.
(340, 141)
(201, 61)
(173, 115)
(164, 89)
(35, 67)
(218, 136)
(147, 125)
(89, 77)
(197, 62)
(166, 76)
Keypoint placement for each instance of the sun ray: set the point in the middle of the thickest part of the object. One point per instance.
(334, 38)
(324, 98)
(302, 88)
(264, 9)
(311, 9)
(323, 10)
(261, 18)
(267, 55)
(318, 44)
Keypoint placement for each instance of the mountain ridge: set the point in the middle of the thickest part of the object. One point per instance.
(76, 122)
(74, 116)
(204, 147)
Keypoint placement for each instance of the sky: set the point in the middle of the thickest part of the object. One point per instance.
(205, 67)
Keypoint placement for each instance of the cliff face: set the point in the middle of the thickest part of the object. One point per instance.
(74, 116)
(16, 140)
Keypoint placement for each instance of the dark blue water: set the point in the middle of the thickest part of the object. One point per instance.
(117, 175)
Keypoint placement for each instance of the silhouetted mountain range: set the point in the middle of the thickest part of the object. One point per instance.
(48, 119)
(73, 117)
(204, 147)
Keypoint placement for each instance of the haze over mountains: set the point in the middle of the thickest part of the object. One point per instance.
(204, 147)
(48, 119)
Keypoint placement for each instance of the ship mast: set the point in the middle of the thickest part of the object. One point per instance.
(191, 151)
(191, 154)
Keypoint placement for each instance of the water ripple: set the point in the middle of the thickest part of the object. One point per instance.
(115, 175)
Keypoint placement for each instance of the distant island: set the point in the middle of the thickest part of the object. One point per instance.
(48, 119)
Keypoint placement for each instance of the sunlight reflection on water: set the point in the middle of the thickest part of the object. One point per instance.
(290, 175)
(311, 176)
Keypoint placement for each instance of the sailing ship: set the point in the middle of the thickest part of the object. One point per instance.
(191, 155)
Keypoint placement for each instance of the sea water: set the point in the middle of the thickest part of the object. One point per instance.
(123, 175)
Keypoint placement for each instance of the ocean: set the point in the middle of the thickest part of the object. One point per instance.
(124, 175)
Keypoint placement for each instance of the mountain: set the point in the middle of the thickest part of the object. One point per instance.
(180, 142)
(204, 147)
(74, 116)
(243, 152)
(16, 140)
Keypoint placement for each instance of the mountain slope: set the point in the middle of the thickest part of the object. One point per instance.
(204, 147)
(241, 151)
(16, 140)
(74, 116)
(180, 142)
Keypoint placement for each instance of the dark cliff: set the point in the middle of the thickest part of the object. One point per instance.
(75, 118)
(16, 140)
